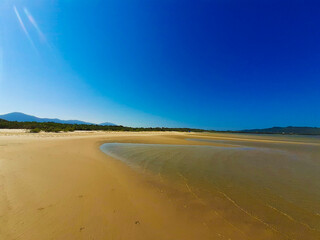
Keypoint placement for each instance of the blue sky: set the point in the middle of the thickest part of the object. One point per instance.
(221, 64)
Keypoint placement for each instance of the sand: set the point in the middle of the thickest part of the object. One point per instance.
(61, 186)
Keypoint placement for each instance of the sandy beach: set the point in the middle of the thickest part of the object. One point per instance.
(159, 120)
(62, 186)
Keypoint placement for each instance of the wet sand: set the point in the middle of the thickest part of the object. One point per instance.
(61, 186)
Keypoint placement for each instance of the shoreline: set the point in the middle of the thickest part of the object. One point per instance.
(63, 186)
(66, 188)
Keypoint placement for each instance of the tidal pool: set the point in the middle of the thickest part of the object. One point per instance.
(251, 184)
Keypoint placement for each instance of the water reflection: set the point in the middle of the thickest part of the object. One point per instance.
(274, 185)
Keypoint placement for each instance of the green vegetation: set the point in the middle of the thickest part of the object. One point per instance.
(35, 127)
(35, 130)
(286, 130)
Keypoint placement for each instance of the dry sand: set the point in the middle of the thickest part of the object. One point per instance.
(61, 186)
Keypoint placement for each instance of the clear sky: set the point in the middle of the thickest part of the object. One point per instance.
(215, 64)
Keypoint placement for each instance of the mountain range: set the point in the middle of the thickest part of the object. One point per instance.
(286, 130)
(22, 117)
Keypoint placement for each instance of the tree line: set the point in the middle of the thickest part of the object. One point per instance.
(35, 127)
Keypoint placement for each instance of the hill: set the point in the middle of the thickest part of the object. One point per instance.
(17, 120)
(286, 130)
(22, 117)
(58, 127)
(107, 124)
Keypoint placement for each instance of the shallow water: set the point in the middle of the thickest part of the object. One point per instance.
(253, 185)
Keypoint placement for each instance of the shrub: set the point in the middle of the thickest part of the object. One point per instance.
(53, 129)
(35, 130)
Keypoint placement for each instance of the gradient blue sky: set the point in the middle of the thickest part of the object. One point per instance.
(224, 64)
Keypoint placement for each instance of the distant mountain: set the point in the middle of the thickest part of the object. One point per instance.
(107, 124)
(21, 117)
(286, 130)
